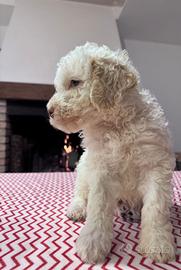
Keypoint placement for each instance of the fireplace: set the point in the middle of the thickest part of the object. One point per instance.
(27, 141)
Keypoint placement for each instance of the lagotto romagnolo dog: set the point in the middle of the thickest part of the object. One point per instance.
(128, 156)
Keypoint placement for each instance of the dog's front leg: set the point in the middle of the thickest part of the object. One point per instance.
(157, 241)
(77, 208)
(95, 239)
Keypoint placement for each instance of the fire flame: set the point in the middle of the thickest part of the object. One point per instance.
(66, 139)
(68, 149)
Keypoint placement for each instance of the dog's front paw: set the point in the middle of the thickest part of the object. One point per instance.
(77, 211)
(93, 245)
(158, 248)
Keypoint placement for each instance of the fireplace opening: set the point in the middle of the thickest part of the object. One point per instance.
(34, 145)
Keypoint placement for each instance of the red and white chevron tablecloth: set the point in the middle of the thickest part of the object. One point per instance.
(36, 234)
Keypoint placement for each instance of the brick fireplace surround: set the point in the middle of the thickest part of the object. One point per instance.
(16, 91)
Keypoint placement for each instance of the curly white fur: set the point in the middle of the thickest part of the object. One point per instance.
(127, 156)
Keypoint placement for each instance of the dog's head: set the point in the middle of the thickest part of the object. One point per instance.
(90, 81)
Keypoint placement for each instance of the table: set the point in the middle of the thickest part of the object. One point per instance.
(36, 234)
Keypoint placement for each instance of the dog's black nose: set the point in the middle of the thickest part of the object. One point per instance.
(51, 112)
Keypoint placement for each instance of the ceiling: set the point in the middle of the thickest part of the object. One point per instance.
(6, 11)
(152, 20)
(5, 14)
(101, 2)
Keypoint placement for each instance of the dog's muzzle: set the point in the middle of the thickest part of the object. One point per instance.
(51, 112)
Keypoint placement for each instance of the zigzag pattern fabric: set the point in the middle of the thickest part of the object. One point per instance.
(36, 234)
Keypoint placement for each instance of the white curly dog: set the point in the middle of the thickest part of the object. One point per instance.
(127, 156)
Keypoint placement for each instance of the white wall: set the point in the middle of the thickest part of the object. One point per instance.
(41, 31)
(152, 21)
(160, 69)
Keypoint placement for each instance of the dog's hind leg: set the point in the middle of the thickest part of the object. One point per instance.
(129, 214)
(156, 239)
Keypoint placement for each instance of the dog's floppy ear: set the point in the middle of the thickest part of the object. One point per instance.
(109, 80)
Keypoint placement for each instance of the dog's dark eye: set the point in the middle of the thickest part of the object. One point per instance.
(74, 83)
